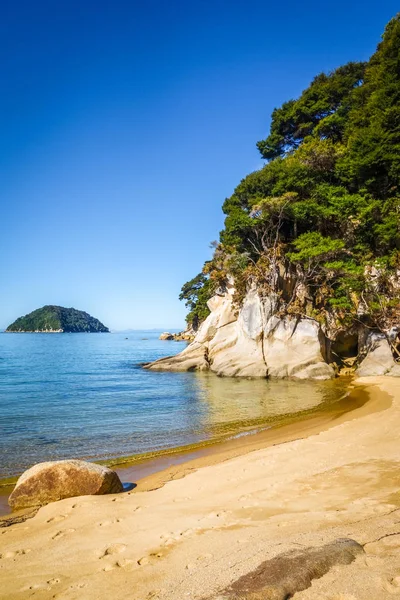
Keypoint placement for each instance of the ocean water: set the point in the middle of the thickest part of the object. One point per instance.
(87, 396)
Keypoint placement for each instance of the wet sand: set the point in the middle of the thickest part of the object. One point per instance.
(200, 529)
(149, 473)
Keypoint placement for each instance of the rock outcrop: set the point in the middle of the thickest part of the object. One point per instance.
(185, 336)
(256, 342)
(166, 336)
(182, 336)
(378, 358)
(51, 481)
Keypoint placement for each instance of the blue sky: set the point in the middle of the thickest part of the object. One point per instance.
(126, 124)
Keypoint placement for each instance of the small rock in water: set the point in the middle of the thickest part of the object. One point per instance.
(166, 336)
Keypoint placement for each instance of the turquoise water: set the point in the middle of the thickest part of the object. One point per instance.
(86, 396)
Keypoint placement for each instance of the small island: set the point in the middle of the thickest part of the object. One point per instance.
(57, 319)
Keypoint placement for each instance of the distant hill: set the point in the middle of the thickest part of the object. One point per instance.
(52, 319)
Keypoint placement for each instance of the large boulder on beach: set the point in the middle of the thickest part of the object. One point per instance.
(51, 481)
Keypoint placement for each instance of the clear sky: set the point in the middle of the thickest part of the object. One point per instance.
(125, 124)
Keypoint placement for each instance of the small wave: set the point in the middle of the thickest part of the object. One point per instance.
(244, 433)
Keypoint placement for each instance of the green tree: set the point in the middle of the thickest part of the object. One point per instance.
(372, 160)
(325, 208)
(321, 110)
(196, 293)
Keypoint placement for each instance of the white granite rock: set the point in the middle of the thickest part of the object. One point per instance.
(253, 343)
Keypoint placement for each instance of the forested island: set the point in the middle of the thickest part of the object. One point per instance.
(310, 250)
(57, 319)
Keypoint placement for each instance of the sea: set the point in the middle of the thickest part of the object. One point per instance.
(87, 396)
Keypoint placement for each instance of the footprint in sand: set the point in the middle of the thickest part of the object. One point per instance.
(213, 515)
(61, 534)
(387, 546)
(390, 585)
(108, 568)
(35, 586)
(373, 561)
(206, 556)
(57, 519)
(189, 532)
(14, 553)
(121, 498)
(82, 504)
(113, 549)
(395, 582)
(244, 497)
(107, 523)
(175, 536)
(125, 563)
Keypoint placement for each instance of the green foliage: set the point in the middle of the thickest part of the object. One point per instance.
(57, 318)
(196, 293)
(372, 160)
(326, 206)
(321, 110)
(313, 245)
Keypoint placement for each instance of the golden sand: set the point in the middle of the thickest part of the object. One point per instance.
(211, 520)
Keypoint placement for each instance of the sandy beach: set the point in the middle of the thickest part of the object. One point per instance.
(195, 528)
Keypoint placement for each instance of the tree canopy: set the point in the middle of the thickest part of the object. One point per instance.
(326, 205)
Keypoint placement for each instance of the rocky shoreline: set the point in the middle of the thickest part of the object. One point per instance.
(182, 336)
(257, 341)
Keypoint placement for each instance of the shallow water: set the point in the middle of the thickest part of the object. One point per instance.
(86, 396)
